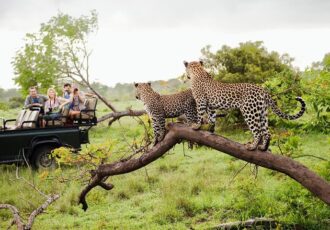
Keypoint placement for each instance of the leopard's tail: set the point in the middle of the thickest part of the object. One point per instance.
(279, 113)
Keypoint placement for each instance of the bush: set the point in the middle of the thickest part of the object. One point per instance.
(16, 102)
(317, 85)
(3, 106)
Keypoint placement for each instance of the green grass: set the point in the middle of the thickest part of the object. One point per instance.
(184, 189)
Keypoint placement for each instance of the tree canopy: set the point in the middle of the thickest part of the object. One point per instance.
(57, 51)
(249, 62)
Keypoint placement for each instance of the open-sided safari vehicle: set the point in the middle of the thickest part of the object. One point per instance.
(25, 140)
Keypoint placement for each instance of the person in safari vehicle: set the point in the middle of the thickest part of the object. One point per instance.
(53, 106)
(34, 99)
(77, 99)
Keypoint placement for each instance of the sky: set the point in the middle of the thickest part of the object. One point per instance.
(146, 40)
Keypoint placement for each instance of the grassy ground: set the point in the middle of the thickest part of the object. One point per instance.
(184, 189)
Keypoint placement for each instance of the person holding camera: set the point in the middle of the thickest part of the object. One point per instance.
(53, 106)
(77, 102)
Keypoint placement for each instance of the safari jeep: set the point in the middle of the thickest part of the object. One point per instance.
(24, 140)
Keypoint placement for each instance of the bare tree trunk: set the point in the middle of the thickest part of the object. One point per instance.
(177, 132)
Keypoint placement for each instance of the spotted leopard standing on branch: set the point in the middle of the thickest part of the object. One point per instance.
(159, 107)
(252, 100)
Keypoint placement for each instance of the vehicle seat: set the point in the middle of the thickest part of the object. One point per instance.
(18, 121)
(61, 121)
(25, 119)
(88, 113)
(30, 116)
(87, 116)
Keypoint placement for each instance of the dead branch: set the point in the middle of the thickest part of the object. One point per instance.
(18, 219)
(314, 183)
(117, 115)
(40, 210)
(264, 223)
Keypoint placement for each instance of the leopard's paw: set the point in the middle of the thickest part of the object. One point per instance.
(196, 126)
(250, 146)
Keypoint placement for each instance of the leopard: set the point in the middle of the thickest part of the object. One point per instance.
(252, 100)
(159, 107)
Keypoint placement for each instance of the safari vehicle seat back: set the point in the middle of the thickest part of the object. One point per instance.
(90, 104)
(61, 121)
(30, 116)
(18, 121)
(20, 118)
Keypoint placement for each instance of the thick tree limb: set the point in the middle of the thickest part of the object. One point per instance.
(314, 183)
(117, 115)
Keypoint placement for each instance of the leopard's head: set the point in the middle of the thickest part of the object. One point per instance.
(142, 89)
(193, 68)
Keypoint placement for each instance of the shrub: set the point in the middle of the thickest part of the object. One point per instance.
(3, 106)
(16, 102)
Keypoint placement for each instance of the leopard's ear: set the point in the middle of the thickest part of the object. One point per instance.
(185, 63)
(149, 83)
(201, 62)
(136, 84)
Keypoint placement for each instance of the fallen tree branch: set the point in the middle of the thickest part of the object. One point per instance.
(40, 210)
(314, 183)
(257, 223)
(17, 218)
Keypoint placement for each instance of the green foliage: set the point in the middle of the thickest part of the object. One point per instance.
(4, 106)
(16, 102)
(49, 54)
(317, 85)
(90, 157)
(250, 62)
(288, 143)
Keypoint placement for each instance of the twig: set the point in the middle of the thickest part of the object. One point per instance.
(279, 146)
(236, 173)
(29, 183)
(184, 151)
(309, 155)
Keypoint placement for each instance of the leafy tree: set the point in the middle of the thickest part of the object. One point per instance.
(55, 53)
(249, 62)
(317, 84)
